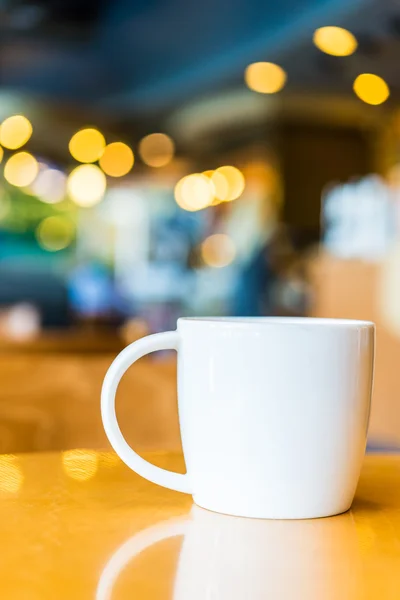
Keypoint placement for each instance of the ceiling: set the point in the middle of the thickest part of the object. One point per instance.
(130, 66)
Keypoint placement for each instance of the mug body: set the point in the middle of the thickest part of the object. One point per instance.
(274, 413)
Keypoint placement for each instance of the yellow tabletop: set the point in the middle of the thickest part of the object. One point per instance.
(80, 525)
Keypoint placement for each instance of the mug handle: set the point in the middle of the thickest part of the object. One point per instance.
(132, 353)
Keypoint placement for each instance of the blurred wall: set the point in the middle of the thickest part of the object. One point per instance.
(313, 156)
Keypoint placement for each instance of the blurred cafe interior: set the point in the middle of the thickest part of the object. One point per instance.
(167, 159)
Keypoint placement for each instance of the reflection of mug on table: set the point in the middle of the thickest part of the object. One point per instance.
(226, 558)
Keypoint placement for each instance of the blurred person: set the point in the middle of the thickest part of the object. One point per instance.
(273, 281)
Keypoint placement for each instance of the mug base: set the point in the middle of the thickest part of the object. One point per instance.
(283, 515)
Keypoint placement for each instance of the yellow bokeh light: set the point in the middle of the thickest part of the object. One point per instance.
(156, 149)
(11, 476)
(194, 192)
(15, 132)
(221, 185)
(265, 77)
(86, 185)
(218, 250)
(335, 41)
(117, 159)
(234, 180)
(55, 233)
(371, 89)
(80, 465)
(1, 154)
(21, 169)
(87, 145)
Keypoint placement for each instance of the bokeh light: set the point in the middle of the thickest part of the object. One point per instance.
(231, 183)
(87, 145)
(221, 185)
(22, 322)
(55, 233)
(335, 41)
(218, 250)
(1, 154)
(80, 465)
(371, 89)
(86, 185)
(15, 132)
(50, 185)
(117, 159)
(265, 77)
(11, 476)
(21, 169)
(156, 149)
(194, 192)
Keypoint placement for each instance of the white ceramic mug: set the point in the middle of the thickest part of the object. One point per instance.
(273, 413)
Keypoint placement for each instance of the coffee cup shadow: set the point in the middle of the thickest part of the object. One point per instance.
(230, 558)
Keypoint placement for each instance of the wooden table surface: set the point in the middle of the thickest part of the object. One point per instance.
(80, 525)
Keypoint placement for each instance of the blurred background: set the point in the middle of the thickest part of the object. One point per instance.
(167, 158)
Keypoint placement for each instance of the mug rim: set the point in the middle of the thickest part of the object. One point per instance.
(314, 321)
